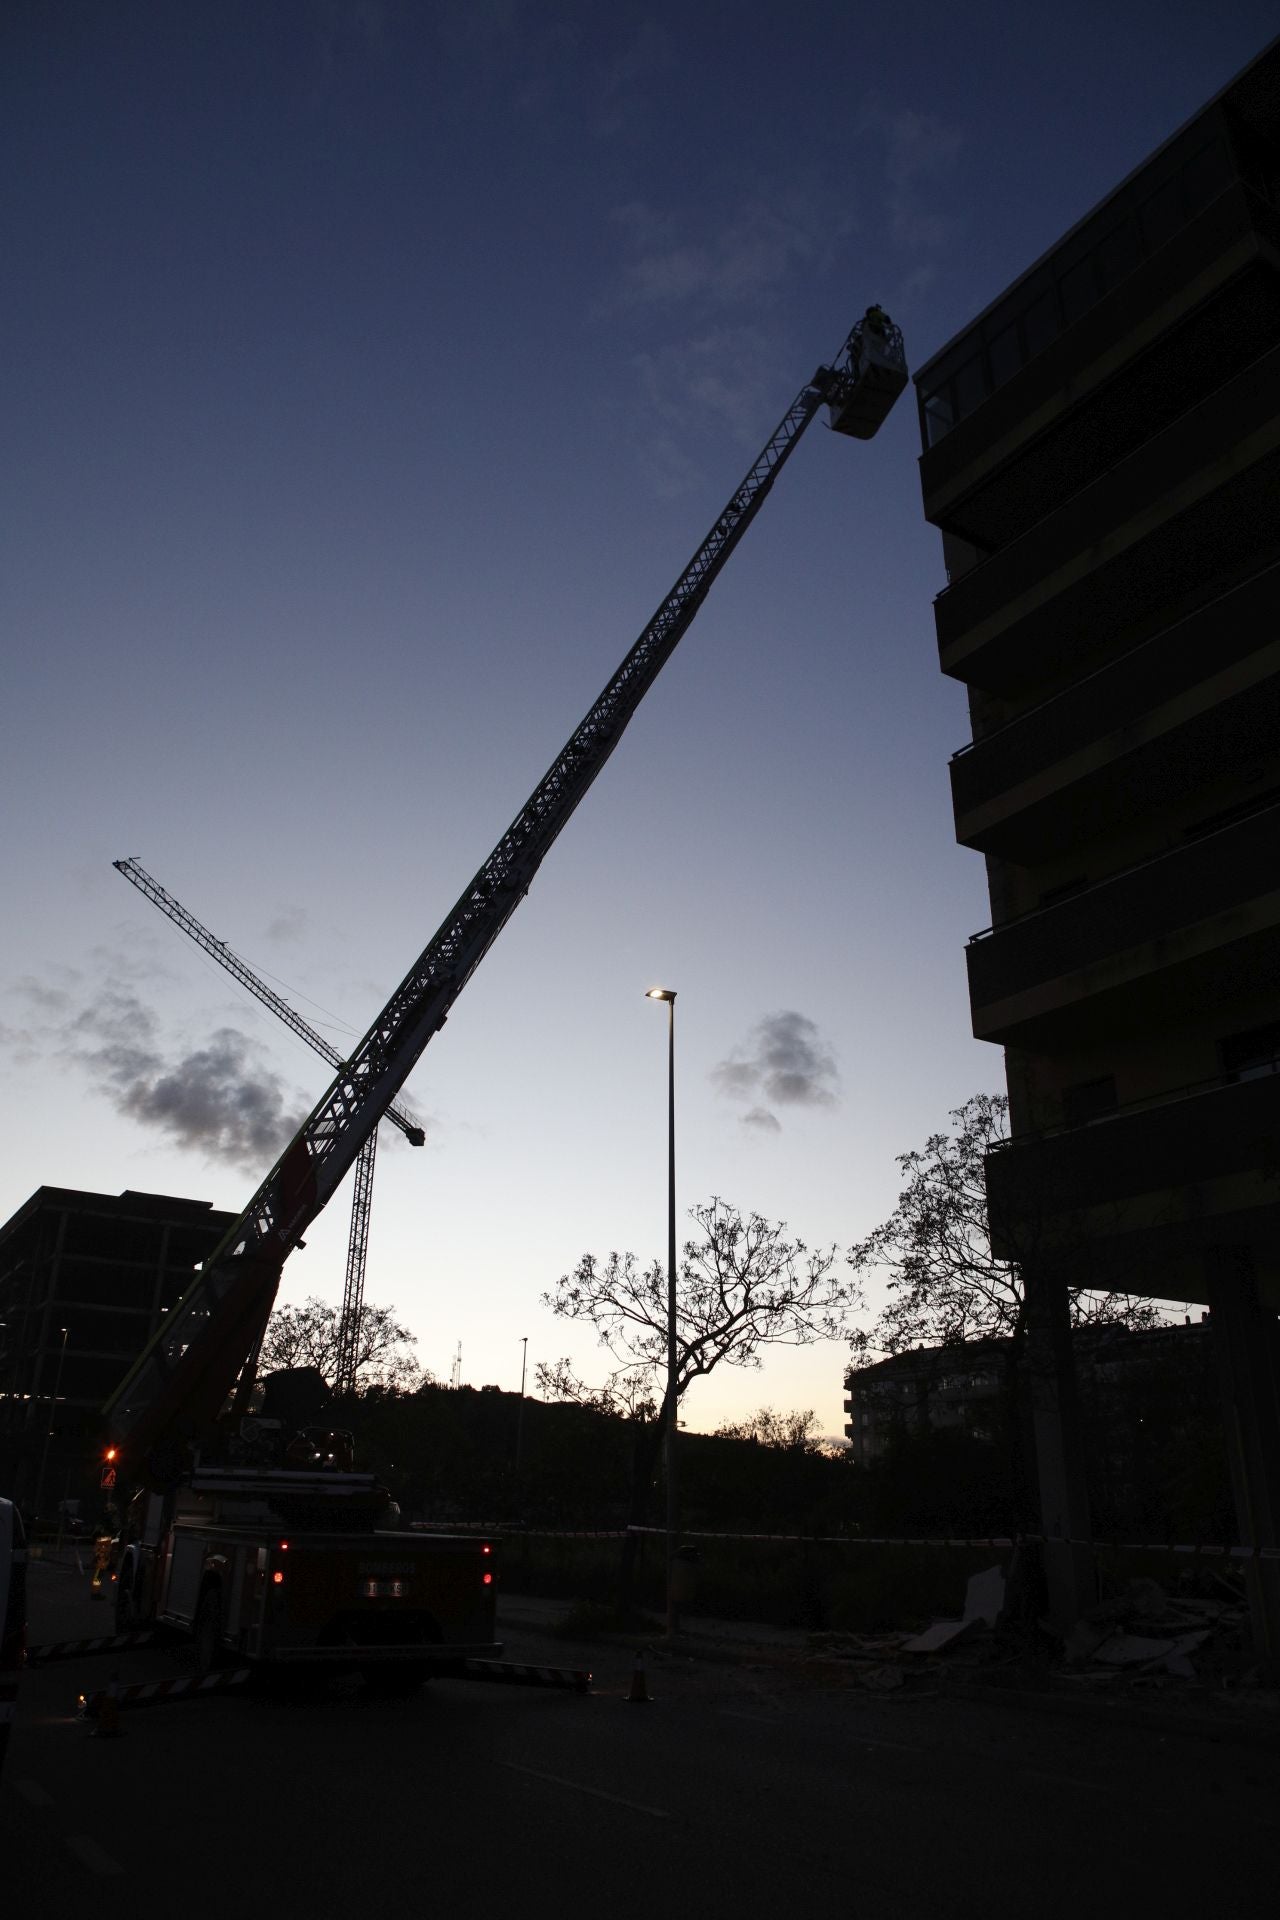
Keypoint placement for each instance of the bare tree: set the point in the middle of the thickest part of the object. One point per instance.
(621, 1395)
(307, 1336)
(945, 1282)
(741, 1286)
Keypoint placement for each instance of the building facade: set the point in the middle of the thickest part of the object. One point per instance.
(84, 1281)
(1102, 458)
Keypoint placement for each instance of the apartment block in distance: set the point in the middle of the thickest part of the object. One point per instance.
(1102, 458)
(84, 1281)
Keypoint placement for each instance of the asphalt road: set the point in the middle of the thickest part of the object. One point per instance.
(736, 1792)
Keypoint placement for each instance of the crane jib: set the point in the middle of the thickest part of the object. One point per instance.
(859, 388)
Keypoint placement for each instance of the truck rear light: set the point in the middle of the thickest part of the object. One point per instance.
(486, 1549)
(278, 1579)
(487, 1579)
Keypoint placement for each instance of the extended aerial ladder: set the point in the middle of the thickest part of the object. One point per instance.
(362, 1192)
(173, 1394)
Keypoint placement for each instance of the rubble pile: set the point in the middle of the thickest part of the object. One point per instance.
(1140, 1637)
(1147, 1634)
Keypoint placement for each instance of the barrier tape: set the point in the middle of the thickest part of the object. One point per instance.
(997, 1542)
(521, 1533)
(1002, 1542)
(72, 1649)
(159, 1693)
(512, 1673)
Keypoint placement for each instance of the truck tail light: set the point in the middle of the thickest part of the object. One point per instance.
(487, 1579)
(277, 1579)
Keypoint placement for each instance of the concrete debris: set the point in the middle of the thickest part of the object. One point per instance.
(1133, 1650)
(984, 1596)
(881, 1679)
(1084, 1639)
(1173, 1656)
(1141, 1600)
(943, 1633)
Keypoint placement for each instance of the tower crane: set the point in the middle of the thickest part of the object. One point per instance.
(200, 1357)
(362, 1193)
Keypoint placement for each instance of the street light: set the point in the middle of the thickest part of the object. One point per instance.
(668, 994)
(524, 1355)
(44, 1456)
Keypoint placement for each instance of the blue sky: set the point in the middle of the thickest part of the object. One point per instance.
(371, 371)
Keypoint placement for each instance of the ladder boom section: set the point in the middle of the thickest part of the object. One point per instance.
(134, 871)
(148, 1407)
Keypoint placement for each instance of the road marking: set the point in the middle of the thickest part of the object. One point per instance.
(91, 1855)
(575, 1786)
(33, 1793)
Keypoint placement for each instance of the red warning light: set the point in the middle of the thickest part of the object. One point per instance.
(111, 1454)
(486, 1549)
(278, 1578)
(488, 1579)
(284, 1546)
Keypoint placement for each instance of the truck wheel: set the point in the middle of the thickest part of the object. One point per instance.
(207, 1631)
(392, 1683)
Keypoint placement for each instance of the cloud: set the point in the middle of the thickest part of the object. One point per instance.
(290, 925)
(668, 263)
(785, 1062)
(211, 1098)
(620, 81)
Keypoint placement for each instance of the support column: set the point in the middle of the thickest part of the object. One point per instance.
(1246, 1342)
(1064, 1499)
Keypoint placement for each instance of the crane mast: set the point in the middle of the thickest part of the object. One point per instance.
(174, 1391)
(362, 1194)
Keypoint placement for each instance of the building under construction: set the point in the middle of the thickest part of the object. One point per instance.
(1102, 458)
(85, 1279)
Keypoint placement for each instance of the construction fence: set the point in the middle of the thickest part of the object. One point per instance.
(823, 1583)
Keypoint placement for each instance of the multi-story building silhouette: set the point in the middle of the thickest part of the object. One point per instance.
(84, 1281)
(1102, 457)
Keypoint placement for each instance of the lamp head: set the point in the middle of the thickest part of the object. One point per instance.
(660, 993)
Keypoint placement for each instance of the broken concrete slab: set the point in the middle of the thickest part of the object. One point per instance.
(1133, 1650)
(984, 1596)
(1084, 1639)
(943, 1633)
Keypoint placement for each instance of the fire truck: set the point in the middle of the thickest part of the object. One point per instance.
(273, 1551)
(251, 1528)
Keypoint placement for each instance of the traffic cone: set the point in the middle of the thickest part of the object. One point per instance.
(108, 1727)
(639, 1695)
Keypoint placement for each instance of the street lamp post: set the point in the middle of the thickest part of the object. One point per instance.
(48, 1434)
(673, 1611)
(524, 1355)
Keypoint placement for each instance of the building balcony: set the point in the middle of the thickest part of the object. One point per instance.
(1185, 320)
(1139, 732)
(1148, 1187)
(1193, 927)
(1183, 517)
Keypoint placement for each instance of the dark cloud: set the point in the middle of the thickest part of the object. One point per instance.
(212, 1098)
(289, 925)
(785, 1062)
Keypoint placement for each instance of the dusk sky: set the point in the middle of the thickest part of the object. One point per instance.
(371, 371)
